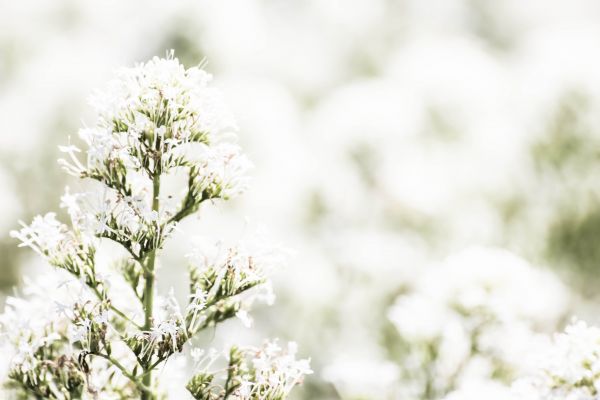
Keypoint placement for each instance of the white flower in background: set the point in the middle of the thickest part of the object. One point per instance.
(472, 318)
(568, 368)
(488, 390)
(363, 378)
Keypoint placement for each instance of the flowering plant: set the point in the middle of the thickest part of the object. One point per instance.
(568, 367)
(477, 326)
(107, 336)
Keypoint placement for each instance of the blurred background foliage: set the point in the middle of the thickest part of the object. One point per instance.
(386, 135)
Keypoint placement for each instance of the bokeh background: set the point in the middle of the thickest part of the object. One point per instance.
(386, 135)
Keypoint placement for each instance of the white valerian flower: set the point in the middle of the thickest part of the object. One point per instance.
(257, 249)
(567, 367)
(489, 390)
(45, 234)
(57, 243)
(245, 317)
(363, 378)
(254, 373)
(158, 100)
(465, 321)
(152, 119)
(276, 370)
(228, 280)
(240, 267)
(221, 172)
(164, 85)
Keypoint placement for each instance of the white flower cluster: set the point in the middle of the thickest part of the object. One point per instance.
(268, 372)
(54, 241)
(45, 235)
(229, 273)
(468, 321)
(161, 94)
(220, 172)
(160, 107)
(155, 117)
(274, 372)
(567, 369)
(46, 344)
(489, 390)
(160, 100)
(249, 261)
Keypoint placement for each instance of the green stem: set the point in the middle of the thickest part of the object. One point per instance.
(125, 372)
(149, 277)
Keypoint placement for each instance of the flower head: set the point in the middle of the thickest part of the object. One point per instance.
(567, 368)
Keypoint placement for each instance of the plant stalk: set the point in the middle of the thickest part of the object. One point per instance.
(149, 277)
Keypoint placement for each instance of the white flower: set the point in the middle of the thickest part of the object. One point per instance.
(245, 317)
(221, 172)
(44, 235)
(362, 378)
(568, 368)
(54, 241)
(159, 97)
(276, 370)
(466, 319)
(244, 265)
(488, 390)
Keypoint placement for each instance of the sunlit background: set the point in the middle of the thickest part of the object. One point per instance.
(387, 135)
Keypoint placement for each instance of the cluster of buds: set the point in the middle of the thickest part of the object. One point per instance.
(49, 376)
(89, 328)
(154, 118)
(266, 373)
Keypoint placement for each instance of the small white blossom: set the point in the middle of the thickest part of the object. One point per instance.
(221, 171)
(470, 315)
(245, 317)
(568, 368)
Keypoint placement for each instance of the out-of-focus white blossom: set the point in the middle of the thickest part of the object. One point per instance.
(488, 390)
(568, 368)
(363, 378)
(471, 319)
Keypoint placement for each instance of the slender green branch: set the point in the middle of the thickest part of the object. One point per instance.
(126, 373)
